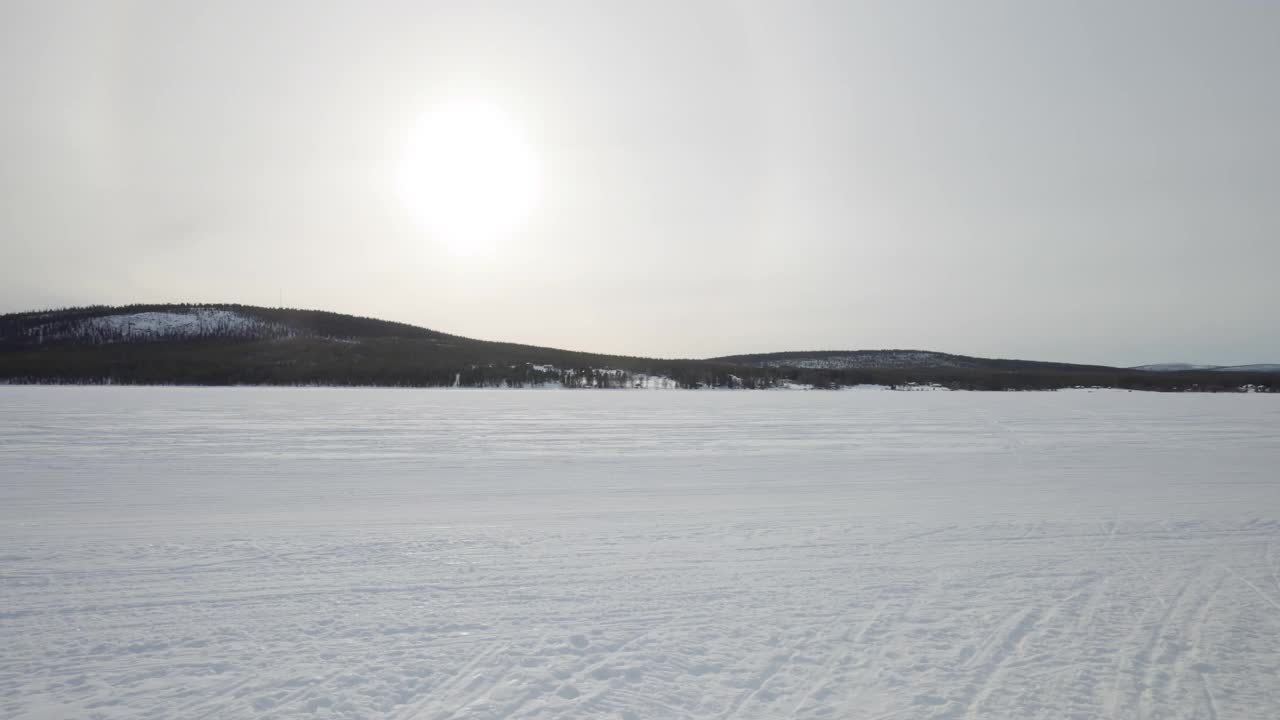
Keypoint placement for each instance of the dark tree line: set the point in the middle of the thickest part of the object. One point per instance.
(304, 347)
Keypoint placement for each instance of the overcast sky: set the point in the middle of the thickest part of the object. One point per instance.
(1079, 181)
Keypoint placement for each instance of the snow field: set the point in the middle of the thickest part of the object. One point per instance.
(246, 553)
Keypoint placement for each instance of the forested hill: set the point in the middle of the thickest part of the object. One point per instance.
(220, 344)
(906, 359)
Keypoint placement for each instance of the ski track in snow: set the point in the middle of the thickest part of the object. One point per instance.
(472, 555)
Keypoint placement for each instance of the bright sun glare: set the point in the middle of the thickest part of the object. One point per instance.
(468, 175)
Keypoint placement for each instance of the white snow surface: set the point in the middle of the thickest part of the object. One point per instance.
(253, 553)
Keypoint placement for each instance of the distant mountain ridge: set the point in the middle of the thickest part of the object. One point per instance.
(102, 324)
(857, 359)
(1173, 367)
(865, 359)
(1184, 367)
(225, 344)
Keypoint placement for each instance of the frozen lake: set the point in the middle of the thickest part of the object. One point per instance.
(433, 554)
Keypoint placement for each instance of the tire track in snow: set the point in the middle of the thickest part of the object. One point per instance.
(1191, 629)
(458, 678)
(882, 649)
(1197, 649)
(1269, 559)
(595, 663)
(1144, 659)
(1111, 701)
(828, 668)
(1210, 703)
(1255, 588)
(914, 536)
(577, 675)
(776, 663)
(190, 709)
(997, 649)
(1162, 662)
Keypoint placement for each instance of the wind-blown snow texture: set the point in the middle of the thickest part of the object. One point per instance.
(243, 553)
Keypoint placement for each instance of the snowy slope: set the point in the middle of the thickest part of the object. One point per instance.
(1179, 367)
(899, 360)
(130, 327)
(252, 553)
(1173, 367)
(328, 348)
(856, 359)
(861, 360)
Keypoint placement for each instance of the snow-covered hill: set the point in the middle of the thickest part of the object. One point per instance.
(1183, 367)
(1262, 367)
(214, 344)
(195, 322)
(856, 359)
(897, 359)
(868, 359)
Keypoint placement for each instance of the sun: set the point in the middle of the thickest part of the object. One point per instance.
(468, 176)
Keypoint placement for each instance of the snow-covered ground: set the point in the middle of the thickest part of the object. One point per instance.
(243, 553)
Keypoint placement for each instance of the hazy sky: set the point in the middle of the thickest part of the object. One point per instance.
(1083, 181)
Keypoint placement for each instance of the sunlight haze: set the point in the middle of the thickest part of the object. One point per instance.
(1087, 182)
